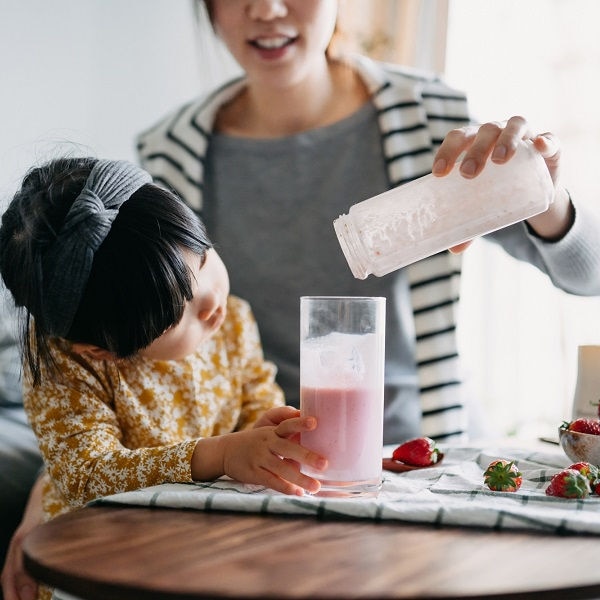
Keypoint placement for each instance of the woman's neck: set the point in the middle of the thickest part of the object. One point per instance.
(266, 112)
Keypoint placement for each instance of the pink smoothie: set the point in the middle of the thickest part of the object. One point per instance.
(349, 432)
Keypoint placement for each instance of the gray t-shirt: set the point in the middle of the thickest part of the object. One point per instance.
(269, 207)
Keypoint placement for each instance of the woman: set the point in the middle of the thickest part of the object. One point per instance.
(302, 136)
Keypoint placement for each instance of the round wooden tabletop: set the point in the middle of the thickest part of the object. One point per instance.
(149, 553)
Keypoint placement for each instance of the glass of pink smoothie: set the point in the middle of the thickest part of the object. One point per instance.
(342, 347)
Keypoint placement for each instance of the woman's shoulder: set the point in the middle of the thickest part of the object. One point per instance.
(402, 79)
(173, 149)
(195, 113)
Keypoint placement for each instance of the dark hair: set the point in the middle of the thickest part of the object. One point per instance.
(139, 282)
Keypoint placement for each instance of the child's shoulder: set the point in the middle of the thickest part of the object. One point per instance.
(238, 308)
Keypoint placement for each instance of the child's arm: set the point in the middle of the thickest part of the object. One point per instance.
(267, 455)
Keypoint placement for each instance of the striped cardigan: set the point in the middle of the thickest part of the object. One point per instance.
(415, 112)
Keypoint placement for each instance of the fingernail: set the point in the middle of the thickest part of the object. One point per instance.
(321, 463)
(499, 153)
(439, 167)
(468, 167)
(310, 423)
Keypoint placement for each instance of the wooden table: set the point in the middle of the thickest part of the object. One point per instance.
(150, 553)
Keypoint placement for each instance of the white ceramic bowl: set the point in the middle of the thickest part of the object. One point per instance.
(580, 447)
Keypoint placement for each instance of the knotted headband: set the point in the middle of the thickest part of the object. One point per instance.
(68, 262)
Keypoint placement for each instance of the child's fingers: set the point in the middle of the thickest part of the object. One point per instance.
(275, 416)
(296, 485)
(283, 448)
(288, 470)
(295, 425)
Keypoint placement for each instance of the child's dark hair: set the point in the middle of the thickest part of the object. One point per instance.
(139, 281)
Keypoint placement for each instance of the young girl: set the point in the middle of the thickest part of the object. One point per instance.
(140, 367)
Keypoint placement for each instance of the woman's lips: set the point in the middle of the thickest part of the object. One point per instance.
(272, 47)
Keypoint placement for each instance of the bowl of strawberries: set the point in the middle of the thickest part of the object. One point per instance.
(580, 439)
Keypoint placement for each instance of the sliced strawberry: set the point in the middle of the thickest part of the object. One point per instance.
(419, 452)
(583, 425)
(569, 483)
(503, 476)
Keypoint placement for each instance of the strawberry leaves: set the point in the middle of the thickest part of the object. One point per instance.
(503, 476)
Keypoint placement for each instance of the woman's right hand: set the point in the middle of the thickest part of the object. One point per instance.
(16, 583)
(270, 456)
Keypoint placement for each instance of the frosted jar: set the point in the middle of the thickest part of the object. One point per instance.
(431, 214)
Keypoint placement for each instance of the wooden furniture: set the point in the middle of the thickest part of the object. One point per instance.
(114, 553)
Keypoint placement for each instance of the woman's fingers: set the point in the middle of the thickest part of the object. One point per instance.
(548, 146)
(453, 145)
(459, 248)
(495, 140)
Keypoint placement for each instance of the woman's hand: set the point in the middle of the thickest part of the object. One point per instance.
(269, 454)
(16, 583)
(497, 141)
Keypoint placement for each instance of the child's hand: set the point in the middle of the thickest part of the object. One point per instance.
(268, 455)
(274, 416)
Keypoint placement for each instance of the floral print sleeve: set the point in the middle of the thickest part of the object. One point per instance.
(81, 437)
(106, 427)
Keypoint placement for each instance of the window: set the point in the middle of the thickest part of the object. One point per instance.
(520, 335)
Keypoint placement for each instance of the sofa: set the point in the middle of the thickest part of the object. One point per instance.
(20, 461)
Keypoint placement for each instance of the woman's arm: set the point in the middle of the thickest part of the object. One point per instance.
(16, 583)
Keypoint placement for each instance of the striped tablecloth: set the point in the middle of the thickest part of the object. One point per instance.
(452, 493)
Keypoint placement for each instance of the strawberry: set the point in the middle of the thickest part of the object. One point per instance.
(503, 476)
(592, 472)
(419, 452)
(583, 425)
(569, 483)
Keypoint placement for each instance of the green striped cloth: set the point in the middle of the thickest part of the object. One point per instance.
(452, 493)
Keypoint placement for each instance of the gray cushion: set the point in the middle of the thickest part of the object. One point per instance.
(10, 360)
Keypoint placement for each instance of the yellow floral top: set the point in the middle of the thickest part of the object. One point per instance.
(107, 427)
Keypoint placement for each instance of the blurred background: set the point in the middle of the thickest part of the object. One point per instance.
(85, 76)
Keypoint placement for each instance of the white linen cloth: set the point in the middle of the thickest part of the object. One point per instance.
(452, 493)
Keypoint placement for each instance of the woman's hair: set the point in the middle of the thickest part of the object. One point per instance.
(139, 280)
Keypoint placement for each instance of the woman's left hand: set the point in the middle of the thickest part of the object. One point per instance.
(497, 141)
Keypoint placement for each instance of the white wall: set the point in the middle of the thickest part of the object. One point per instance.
(91, 73)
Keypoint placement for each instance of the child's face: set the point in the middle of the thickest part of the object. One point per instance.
(202, 316)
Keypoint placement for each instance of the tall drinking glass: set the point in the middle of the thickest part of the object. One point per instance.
(342, 347)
